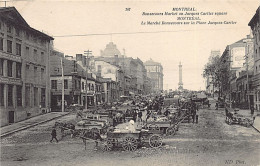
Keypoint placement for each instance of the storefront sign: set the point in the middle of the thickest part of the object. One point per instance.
(10, 81)
(237, 57)
(11, 57)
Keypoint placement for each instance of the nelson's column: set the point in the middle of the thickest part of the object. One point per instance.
(180, 78)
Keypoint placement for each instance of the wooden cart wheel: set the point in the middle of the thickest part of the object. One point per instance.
(247, 123)
(87, 134)
(107, 145)
(129, 144)
(153, 127)
(76, 133)
(104, 130)
(176, 128)
(81, 133)
(155, 141)
(170, 131)
(145, 126)
(93, 131)
(228, 121)
(239, 120)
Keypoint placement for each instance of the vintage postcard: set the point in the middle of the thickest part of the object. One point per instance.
(123, 83)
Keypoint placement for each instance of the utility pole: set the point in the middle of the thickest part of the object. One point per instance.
(4, 3)
(213, 86)
(62, 85)
(88, 52)
(247, 81)
(247, 42)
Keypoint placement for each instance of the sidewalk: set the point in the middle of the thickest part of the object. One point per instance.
(247, 113)
(256, 124)
(34, 121)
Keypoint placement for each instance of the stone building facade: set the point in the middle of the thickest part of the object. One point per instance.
(73, 75)
(155, 73)
(24, 68)
(255, 27)
(238, 59)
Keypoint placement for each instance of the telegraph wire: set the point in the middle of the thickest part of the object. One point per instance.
(142, 32)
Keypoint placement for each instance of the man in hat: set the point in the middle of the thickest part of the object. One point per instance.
(134, 115)
(54, 135)
(140, 114)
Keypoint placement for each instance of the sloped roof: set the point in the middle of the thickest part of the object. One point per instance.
(11, 15)
(70, 67)
(240, 41)
(6, 11)
(254, 19)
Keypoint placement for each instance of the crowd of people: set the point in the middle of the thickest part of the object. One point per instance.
(145, 108)
(136, 109)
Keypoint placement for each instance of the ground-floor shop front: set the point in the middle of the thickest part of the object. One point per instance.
(70, 98)
(20, 101)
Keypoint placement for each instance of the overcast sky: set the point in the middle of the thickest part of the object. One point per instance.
(190, 44)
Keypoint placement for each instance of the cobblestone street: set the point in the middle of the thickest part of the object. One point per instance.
(133, 83)
(210, 142)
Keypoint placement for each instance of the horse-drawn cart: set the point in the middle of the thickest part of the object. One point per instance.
(130, 141)
(167, 124)
(91, 127)
(234, 118)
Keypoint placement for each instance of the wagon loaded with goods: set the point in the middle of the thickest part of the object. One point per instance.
(176, 119)
(89, 127)
(234, 118)
(167, 125)
(130, 141)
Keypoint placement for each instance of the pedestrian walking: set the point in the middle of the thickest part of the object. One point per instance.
(134, 115)
(54, 135)
(140, 115)
(217, 105)
(148, 113)
(252, 110)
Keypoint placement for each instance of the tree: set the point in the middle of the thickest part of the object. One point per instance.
(218, 70)
(210, 70)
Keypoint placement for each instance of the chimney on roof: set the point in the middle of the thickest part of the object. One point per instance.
(78, 57)
(116, 62)
(69, 57)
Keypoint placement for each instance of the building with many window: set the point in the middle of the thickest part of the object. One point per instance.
(155, 73)
(24, 68)
(255, 27)
(237, 58)
(74, 82)
(111, 75)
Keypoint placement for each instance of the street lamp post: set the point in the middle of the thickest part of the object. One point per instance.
(247, 81)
